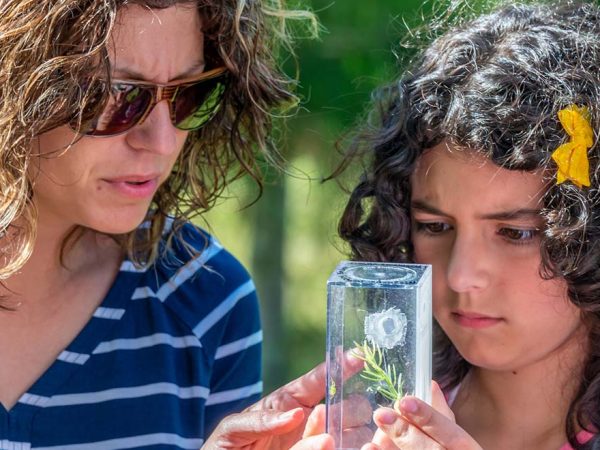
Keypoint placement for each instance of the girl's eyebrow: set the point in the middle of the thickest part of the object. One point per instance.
(519, 213)
(421, 205)
(523, 213)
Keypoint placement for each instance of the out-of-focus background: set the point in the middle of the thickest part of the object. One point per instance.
(288, 238)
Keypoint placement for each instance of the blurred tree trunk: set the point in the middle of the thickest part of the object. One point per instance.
(267, 267)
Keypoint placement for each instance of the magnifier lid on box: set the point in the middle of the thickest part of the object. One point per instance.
(390, 275)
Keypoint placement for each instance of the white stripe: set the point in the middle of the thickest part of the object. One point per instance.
(132, 442)
(168, 225)
(5, 444)
(239, 345)
(182, 275)
(73, 358)
(167, 228)
(220, 311)
(128, 266)
(234, 394)
(147, 341)
(129, 392)
(34, 400)
(109, 313)
(142, 292)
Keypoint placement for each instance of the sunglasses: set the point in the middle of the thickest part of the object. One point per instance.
(192, 103)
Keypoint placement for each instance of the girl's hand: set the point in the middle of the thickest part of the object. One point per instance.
(414, 425)
(279, 421)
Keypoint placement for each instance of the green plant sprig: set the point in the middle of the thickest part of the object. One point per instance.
(386, 381)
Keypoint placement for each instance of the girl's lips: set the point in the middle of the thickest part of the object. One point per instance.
(134, 188)
(474, 320)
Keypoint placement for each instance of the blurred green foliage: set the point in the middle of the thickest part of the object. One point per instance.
(292, 261)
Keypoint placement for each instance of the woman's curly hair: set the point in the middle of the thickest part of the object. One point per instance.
(48, 47)
(494, 85)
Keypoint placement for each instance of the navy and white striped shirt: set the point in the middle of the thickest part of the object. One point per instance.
(169, 352)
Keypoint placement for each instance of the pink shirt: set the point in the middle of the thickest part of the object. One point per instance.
(582, 436)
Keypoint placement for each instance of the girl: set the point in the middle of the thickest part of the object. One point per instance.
(123, 325)
(484, 164)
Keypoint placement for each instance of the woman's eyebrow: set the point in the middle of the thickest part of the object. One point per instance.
(132, 74)
(518, 213)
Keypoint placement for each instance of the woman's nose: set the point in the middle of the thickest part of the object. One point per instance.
(468, 265)
(156, 133)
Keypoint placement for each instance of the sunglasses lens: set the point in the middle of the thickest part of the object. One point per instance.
(196, 104)
(125, 107)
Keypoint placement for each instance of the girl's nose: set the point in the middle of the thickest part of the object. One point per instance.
(468, 265)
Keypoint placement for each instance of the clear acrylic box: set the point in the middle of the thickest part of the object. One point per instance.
(380, 312)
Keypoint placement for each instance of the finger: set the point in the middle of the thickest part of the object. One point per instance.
(402, 433)
(316, 422)
(435, 424)
(319, 442)
(309, 389)
(245, 428)
(352, 437)
(370, 446)
(438, 401)
(306, 391)
(355, 437)
(354, 411)
(383, 441)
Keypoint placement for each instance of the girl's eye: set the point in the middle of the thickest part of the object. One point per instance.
(518, 236)
(432, 227)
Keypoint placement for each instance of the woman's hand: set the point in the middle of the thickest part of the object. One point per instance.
(280, 421)
(414, 425)
(355, 412)
(258, 430)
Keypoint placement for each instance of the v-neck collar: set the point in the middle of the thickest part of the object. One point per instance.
(106, 316)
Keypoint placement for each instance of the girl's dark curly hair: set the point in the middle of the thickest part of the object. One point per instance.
(48, 47)
(494, 85)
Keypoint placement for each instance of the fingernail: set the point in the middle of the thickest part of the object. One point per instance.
(353, 362)
(353, 356)
(386, 417)
(409, 405)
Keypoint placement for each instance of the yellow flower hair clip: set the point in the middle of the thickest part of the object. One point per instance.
(571, 157)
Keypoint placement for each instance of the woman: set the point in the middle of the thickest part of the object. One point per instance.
(123, 325)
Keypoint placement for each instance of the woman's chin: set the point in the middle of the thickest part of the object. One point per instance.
(118, 224)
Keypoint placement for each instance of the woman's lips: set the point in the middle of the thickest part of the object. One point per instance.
(475, 320)
(134, 187)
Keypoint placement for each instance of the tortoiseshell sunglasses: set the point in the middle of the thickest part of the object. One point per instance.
(192, 103)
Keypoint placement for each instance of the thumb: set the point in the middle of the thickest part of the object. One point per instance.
(315, 424)
(370, 446)
(318, 442)
(438, 401)
(248, 427)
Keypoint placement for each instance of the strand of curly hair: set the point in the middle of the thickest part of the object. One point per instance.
(48, 47)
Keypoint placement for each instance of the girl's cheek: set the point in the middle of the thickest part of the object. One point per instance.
(430, 251)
